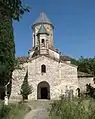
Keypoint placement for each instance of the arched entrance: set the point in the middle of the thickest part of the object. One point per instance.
(43, 90)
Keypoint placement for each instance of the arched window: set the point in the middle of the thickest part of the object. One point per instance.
(42, 40)
(43, 68)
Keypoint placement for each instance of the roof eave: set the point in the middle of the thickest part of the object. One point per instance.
(42, 33)
(42, 23)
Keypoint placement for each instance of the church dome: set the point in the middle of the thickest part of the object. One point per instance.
(42, 19)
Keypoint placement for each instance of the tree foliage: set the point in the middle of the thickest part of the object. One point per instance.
(26, 89)
(9, 10)
(85, 65)
(16, 8)
(90, 91)
(7, 46)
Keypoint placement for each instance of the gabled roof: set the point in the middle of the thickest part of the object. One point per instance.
(52, 59)
(42, 19)
(42, 30)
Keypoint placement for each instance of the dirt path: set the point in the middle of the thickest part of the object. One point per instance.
(39, 110)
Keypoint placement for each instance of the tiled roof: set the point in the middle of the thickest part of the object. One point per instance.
(42, 19)
(83, 74)
(65, 58)
(22, 59)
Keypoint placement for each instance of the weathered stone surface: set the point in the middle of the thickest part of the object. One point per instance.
(60, 73)
(18, 77)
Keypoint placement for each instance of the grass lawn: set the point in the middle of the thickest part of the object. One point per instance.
(13, 111)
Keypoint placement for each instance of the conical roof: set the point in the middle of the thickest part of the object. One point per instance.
(42, 19)
(42, 30)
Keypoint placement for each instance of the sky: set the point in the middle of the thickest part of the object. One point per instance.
(74, 26)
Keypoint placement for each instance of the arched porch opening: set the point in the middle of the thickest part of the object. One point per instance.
(43, 90)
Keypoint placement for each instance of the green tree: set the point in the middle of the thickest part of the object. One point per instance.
(85, 65)
(26, 89)
(9, 10)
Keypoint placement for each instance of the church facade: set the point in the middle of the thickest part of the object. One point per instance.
(47, 71)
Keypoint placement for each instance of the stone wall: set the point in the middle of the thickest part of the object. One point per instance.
(58, 75)
(83, 81)
(69, 77)
(54, 54)
(18, 77)
(35, 76)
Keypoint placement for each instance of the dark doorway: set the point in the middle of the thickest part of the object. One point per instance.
(43, 90)
(2, 95)
(44, 93)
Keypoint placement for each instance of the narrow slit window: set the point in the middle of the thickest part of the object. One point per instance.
(43, 68)
(42, 40)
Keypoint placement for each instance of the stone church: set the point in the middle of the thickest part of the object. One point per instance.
(48, 72)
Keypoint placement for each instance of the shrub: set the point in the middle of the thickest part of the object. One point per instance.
(73, 109)
(26, 89)
(4, 111)
(13, 111)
